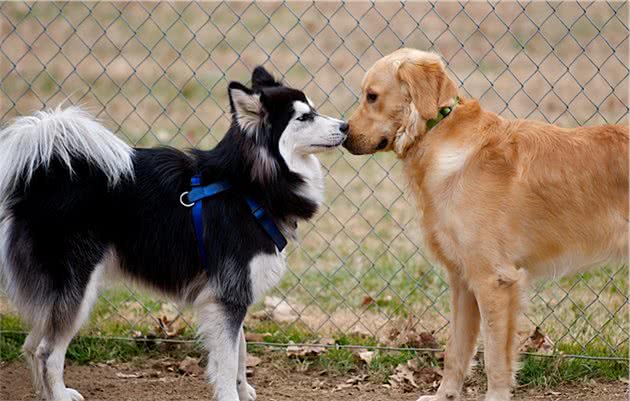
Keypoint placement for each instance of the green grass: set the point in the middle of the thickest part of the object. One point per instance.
(550, 371)
(536, 371)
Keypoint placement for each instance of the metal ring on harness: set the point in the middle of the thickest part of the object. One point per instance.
(181, 200)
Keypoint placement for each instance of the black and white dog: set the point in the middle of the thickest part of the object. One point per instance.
(77, 203)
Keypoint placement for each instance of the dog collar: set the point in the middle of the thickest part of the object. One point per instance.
(195, 201)
(444, 111)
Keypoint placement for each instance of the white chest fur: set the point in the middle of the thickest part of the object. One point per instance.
(265, 272)
(309, 167)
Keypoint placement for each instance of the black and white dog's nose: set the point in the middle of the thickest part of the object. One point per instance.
(344, 127)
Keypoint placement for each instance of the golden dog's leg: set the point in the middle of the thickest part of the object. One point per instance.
(462, 343)
(499, 300)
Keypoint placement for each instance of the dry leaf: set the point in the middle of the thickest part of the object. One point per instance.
(280, 310)
(363, 355)
(354, 380)
(252, 361)
(305, 351)
(342, 386)
(405, 335)
(537, 342)
(128, 376)
(402, 376)
(367, 300)
(190, 366)
(408, 375)
(327, 341)
(260, 315)
(318, 384)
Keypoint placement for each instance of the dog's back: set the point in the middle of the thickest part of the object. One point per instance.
(566, 200)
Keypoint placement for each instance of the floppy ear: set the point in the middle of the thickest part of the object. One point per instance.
(427, 84)
(262, 78)
(246, 107)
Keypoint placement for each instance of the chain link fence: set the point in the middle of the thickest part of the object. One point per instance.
(157, 73)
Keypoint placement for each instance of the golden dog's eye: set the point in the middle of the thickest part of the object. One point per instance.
(371, 97)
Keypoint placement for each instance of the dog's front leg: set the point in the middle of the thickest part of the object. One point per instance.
(245, 391)
(464, 330)
(220, 327)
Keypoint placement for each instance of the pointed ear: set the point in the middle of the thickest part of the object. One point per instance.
(246, 107)
(262, 78)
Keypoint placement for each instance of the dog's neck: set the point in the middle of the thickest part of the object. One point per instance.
(287, 195)
(415, 126)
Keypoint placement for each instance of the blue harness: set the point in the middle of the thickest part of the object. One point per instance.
(195, 199)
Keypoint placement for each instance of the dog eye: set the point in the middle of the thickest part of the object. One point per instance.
(371, 97)
(306, 117)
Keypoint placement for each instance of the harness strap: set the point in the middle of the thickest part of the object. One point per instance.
(267, 223)
(198, 193)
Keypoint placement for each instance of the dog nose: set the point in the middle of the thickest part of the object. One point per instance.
(344, 128)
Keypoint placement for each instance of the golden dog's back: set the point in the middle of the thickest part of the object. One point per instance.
(568, 195)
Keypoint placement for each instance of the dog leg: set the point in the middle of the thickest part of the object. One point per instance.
(51, 353)
(464, 330)
(29, 349)
(220, 327)
(245, 391)
(67, 316)
(500, 300)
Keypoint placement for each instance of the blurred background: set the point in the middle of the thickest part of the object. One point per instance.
(157, 73)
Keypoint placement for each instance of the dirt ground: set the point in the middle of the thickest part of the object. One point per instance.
(273, 383)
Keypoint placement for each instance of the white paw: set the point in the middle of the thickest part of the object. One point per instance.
(499, 396)
(246, 392)
(440, 397)
(74, 395)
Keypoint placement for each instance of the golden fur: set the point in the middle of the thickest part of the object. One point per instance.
(501, 201)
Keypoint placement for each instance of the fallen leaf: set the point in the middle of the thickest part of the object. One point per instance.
(327, 341)
(403, 375)
(280, 310)
(190, 366)
(343, 386)
(305, 351)
(408, 375)
(261, 315)
(252, 361)
(364, 356)
(318, 384)
(405, 334)
(128, 376)
(367, 300)
(537, 342)
(354, 380)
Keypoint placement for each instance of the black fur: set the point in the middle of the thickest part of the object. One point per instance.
(63, 224)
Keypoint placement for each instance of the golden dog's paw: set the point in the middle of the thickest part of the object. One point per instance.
(448, 396)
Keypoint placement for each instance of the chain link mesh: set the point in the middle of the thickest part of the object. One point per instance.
(157, 73)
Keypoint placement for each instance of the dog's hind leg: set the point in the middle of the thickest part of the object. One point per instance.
(29, 349)
(220, 327)
(68, 315)
(245, 391)
(499, 295)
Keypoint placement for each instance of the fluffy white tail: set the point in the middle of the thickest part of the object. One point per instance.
(31, 142)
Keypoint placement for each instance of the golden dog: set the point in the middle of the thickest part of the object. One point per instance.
(501, 201)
